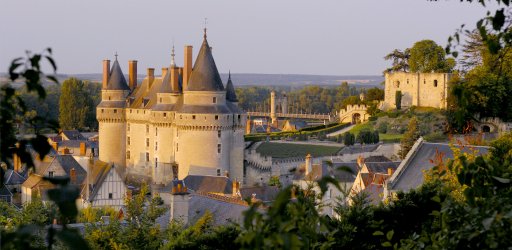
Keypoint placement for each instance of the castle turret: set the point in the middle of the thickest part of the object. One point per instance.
(111, 116)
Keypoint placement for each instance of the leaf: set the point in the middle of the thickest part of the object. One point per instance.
(53, 79)
(389, 235)
(72, 239)
(41, 145)
(498, 20)
(52, 62)
(502, 180)
(378, 233)
(386, 244)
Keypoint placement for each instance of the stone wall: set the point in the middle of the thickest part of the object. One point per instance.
(418, 89)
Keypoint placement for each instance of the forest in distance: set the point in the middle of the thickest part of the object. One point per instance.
(74, 94)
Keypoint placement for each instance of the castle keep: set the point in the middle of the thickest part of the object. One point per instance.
(418, 89)
(184, 122)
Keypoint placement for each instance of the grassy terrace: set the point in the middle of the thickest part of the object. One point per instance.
(285, 150)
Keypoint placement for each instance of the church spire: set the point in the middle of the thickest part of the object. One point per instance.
(173, 63)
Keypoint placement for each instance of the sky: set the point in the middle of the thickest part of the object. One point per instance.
(321, 37)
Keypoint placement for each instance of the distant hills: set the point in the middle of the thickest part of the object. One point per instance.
(279, 80)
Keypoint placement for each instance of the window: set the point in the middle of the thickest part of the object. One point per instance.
(156, 162)
(181, 117)
(177, 147)
(110, 196)
(147, 128)
(177, 133)
(147, 142)
(160, 99)
(156, 131)
(424, 81)
(193, 117)
(128, 127)
(147, 156)
(109, 98)
(435, 83)
(238, 118)
(216, 117)
(128, 140)
(115, 111)
(102, 110)
(130, 111)
(218, 171)
(50, 174)
(165, 114)
(128, 155)
(215, 100)
(218, 133)
(156, 146)
(218, 148)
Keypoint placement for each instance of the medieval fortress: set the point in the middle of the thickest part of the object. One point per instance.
(418, 89)
(183, 122)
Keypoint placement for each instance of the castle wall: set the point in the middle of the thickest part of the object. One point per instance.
(112, 134)
(418, 89)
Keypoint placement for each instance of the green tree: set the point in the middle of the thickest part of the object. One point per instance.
(398, 99)
(427, 56)
(274, 181)
(374, 94)
(73, 104)
(400, 60)
(349, 139)
(410, 137)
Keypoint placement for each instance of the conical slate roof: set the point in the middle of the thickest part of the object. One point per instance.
(205, 76)
(230, 90)
(117, 80)
(166, 82)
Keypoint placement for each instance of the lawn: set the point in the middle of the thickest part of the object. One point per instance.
(285, 150)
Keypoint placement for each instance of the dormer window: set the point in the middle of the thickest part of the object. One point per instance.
(50, 174)
(216, 117)
(215, 100)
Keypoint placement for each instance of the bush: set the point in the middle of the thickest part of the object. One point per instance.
(383, 127)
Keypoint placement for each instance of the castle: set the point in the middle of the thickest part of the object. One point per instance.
(184, 122)
(418, 89)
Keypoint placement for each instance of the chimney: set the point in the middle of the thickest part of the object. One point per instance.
(17, 163)
(174, 79)
(65, 151)
(187, 66)
(72, 175)
(180, 71)
(132, 74)
(106, 73)
(151, 76)
(390, 171)
(164, 72)
(83, 148)
(309, 165)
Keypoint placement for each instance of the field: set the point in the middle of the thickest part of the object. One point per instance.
(285, 150)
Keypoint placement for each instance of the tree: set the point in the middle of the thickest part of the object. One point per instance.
(374, 94)
(400, 61)
(427, 56)
(410, 137)
(73, 104)
(398, 99)
(274, 181)
(349, 139)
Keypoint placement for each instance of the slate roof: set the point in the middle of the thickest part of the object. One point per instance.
(223, 211)
(72, 135)
(295, 124)
(230, 90)
(5, 194)
(263, 193)
(67, 162)
(345, 176)
(12, 177)
(209, 184)
(409, 174)
(377, 158)
(381, 167)
(205, 76)
(76, 144)
(116, 80)
(358, 149)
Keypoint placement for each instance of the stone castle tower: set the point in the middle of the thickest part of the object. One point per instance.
(184, 122)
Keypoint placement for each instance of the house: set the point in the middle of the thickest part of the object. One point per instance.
(60, 165)
(13, 180)
(74, 135)
(422, 156)
(371, 179)
(74, 143)
(104, 186)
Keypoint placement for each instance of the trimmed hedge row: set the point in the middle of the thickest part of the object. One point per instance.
(320, 130)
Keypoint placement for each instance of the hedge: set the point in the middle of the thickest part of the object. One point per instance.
(325, 129)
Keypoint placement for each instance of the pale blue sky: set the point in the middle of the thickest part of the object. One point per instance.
(337, 37)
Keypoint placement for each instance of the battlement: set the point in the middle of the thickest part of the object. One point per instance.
(351, 108)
